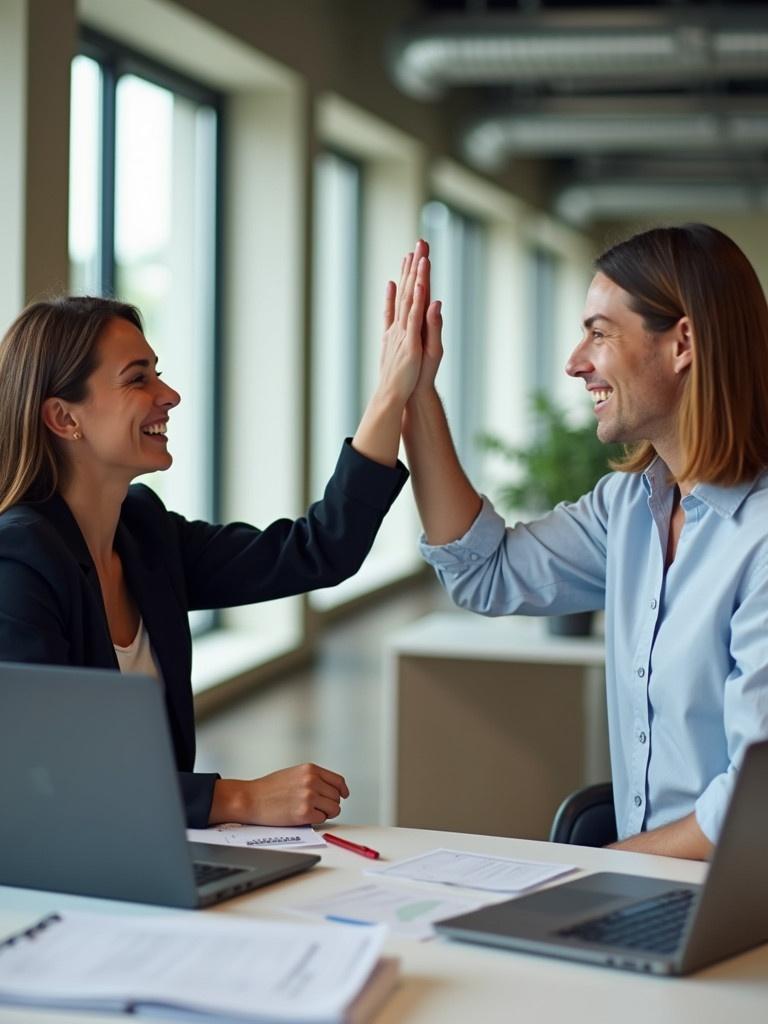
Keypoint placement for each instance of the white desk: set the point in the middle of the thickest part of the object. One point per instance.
(489, 723)
(444, 982)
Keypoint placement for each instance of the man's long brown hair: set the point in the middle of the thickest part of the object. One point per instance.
(49, 351)
(698, 272)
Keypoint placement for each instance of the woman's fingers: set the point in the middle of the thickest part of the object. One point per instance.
(405, 270)
(418, 305)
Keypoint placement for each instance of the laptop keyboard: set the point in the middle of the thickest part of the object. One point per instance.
(655, 924)
(205, 873)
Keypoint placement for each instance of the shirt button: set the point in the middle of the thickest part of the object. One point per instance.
(642, 737)
(638, 800)
(641, 672)
(474, 557)
(654, 602)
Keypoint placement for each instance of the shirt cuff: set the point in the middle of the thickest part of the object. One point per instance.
(479, 542)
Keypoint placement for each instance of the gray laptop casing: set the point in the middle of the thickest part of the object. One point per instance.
(89, 797)
(729, 914)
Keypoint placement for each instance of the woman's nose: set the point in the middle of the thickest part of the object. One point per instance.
(167, 396)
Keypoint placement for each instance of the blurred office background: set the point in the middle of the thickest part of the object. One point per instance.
(250, 172)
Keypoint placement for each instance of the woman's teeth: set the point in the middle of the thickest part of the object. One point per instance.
(156, 428)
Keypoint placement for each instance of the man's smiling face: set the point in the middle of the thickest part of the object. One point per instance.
(628, 372)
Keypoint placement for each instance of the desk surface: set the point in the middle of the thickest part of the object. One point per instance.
(509, 638)
(445, 982)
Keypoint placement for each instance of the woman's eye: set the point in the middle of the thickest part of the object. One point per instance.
(140, 378)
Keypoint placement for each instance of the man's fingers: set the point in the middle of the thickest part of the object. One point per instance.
(389, 304)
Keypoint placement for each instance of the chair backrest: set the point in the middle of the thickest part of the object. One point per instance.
(586, 817)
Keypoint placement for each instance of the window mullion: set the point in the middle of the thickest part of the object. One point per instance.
(108, 142)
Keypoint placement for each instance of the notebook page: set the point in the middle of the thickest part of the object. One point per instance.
(239, 967)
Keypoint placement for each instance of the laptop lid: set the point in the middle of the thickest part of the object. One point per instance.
(89, 796)
(729, 913)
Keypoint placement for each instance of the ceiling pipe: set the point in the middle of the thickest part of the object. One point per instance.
(584, 48)
(583, 203)
(587, 127)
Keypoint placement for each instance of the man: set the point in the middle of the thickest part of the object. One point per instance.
(674, 544)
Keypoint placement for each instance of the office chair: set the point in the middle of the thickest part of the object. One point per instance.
(586, 817)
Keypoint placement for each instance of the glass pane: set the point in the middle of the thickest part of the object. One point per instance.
(165, 261)
(457, 249)
(85, 178)
(336, 382)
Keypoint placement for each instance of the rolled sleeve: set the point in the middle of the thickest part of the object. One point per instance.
(479, 542)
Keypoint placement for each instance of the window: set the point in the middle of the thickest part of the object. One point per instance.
(336, 378)
(143, 227)
(457, 246)
(543, 270)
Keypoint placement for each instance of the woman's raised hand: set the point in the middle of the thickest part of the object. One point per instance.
(410, 355)
(404, 308)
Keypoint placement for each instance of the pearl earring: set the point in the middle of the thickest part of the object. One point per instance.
(76, 436)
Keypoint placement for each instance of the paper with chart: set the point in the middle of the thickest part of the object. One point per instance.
(254, 836)
(408, 911)
(473, 870)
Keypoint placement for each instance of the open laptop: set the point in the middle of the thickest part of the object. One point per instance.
(649, 924)
(90, 801)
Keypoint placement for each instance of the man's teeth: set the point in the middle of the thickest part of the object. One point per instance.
(156, 428)
(601, 396)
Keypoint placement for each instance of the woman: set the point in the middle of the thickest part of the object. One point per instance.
(96, 572)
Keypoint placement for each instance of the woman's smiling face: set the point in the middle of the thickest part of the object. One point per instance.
(123, 418)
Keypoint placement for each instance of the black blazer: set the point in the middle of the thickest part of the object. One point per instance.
(51, 609)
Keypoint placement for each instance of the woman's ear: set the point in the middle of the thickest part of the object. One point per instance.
(59, 420)
(682, 354)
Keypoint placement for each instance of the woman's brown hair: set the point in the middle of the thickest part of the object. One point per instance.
(49, 351)
(698, 272)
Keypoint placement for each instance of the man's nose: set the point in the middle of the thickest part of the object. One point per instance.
(579, 362)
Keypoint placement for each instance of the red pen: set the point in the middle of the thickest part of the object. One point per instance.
(364, 851)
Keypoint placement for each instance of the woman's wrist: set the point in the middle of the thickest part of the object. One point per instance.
(229, 801)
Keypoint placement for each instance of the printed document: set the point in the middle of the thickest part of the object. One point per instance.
(473, 870)
(407, 911)
(257, 835)
(229, 968)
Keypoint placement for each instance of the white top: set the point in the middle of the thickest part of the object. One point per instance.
(139, 658)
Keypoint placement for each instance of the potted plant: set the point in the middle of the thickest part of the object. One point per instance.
(561, 463)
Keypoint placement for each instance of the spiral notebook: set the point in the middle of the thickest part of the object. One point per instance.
(198, 967)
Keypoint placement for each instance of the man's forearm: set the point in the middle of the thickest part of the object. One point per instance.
(681, 838)
(447, 502)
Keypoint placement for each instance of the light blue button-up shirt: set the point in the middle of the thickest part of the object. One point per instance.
(686, 649)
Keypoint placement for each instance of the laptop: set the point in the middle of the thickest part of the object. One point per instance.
(90, 801)
(649, 924)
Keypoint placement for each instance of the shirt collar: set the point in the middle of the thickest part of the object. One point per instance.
(726, 501)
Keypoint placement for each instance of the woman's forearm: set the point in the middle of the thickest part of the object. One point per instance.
(447, 502)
